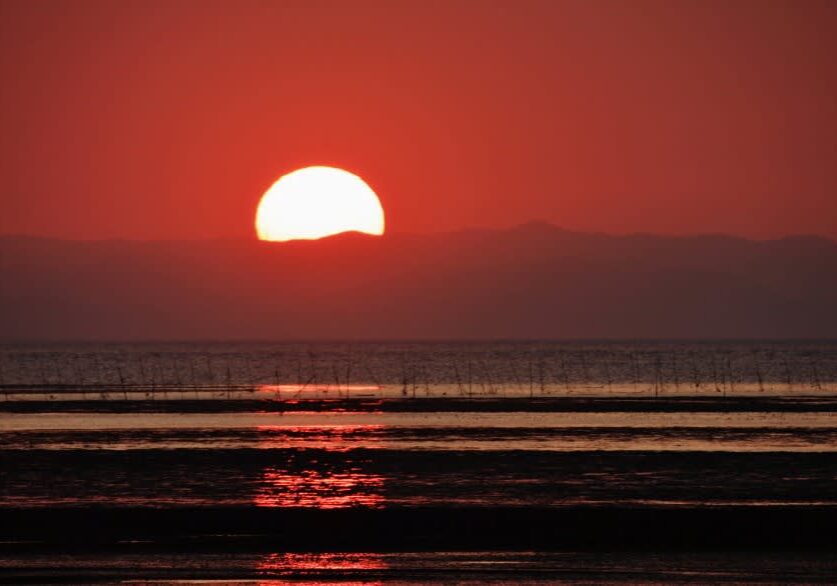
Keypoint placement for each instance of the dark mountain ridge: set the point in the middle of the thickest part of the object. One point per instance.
(532, 281)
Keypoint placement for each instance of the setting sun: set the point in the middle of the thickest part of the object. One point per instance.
(314, 202)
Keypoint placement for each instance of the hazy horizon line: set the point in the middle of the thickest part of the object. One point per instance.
(441, 340)
(396, 233)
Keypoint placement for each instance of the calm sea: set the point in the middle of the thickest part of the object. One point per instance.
(105, 430)
(465, 368)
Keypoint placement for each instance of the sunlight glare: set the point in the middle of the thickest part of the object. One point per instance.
(315, 202)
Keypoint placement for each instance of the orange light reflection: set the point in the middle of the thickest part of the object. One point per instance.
(317, 387)
(302, 562)
(319, 489)
(325, 487)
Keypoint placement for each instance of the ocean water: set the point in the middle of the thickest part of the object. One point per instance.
(463, 368)
(347, 459)
(416, 568)
(367, 447)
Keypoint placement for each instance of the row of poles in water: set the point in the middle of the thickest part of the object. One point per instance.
(467, 373)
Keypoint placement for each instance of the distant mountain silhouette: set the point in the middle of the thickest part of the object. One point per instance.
(533, 281)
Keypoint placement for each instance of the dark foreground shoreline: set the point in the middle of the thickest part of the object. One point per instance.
(580, 528)
(646, 404)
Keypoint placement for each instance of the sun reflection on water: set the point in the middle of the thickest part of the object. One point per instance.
(308, 390)
(276, 567)
(331, 437)
(296, 563)
(321, 484)
(321, 489)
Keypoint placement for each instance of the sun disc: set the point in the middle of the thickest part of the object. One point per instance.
(315, 202)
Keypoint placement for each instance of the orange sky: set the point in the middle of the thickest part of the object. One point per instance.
(137, 119)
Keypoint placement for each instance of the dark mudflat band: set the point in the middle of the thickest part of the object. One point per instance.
(717, 528)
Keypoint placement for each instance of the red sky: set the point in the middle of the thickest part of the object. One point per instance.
(138, 119)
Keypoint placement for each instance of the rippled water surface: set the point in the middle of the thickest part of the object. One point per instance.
(329, 460)
(525, 567)
(763, 433)
(465, 368)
